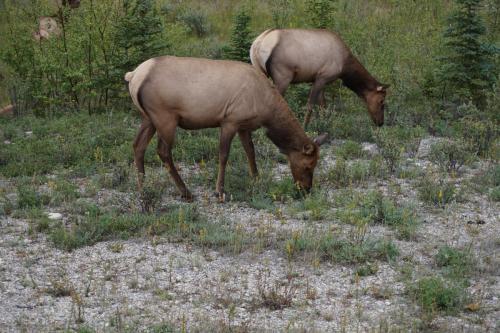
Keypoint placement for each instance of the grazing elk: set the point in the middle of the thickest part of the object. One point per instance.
(199, 93)
(317, 56)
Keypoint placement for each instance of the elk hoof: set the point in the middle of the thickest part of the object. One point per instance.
(187, 196)
(221, 196)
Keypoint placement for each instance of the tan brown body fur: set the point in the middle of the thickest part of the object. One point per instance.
(317, 56)
(200, 93)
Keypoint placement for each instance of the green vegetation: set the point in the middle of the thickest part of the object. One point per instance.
(375, 208)
(451, 155)
(434, 294)
(327, 247)
(437, 192)
(180, 223)
(240, 38)
(467, 69)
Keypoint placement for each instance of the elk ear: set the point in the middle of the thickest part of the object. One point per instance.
(320, 139)
(308, 149)
(383, 87)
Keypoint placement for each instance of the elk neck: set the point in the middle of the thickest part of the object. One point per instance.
(357, 78)
(284, 130)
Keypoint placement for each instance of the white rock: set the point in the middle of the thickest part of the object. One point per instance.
(55, 216)
(370, 148)
(28, 133)
(424, 148)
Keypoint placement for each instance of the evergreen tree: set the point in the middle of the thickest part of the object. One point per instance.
(241, 41)
(467, 69)
(321, 13)
(138, 34)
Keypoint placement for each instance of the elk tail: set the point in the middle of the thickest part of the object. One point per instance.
(129, 76)
(259, 53)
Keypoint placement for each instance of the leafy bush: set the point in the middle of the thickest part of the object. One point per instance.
(479, 134)
(390, 147)
(197, 22)
(450, 155)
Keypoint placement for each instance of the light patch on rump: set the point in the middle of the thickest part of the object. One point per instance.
(263, 47)
(135, 80)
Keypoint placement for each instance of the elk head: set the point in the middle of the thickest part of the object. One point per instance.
(375, 99)
(302, 162)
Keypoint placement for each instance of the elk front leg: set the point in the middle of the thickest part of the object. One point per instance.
(246, 141)
(165, 144)
(146, 132)
(314, 97)
(226, 136)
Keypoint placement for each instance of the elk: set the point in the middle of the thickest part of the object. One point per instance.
(193, 93)
(318, 56)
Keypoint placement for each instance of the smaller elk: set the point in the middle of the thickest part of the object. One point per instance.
(317, 56)
(199, 93)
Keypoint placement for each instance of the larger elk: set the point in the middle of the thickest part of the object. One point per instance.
(200, 93)
(317, 56)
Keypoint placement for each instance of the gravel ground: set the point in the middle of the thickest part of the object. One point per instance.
(139, 283)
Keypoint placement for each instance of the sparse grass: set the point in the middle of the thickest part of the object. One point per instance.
(315, 204)
(327, 247)
(377, 209)
(275, 296)
(343, 174)
(350, 150)
(179, 223)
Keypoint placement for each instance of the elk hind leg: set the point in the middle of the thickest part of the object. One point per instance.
(144, 136)
(314, 97)
(246, 141)
(226, 136)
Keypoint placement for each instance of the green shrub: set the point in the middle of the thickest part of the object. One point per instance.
(389, 146)
(458, 263)
(450, 155)
(436, 295)
(28, 197)
(196, 21)
(375, 208)
(436, 192)
(63, 191)
(480, 135)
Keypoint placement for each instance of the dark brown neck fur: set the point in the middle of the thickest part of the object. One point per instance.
(284, 130)
(356, 77)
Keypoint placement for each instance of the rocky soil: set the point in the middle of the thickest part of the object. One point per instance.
(141, 283)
